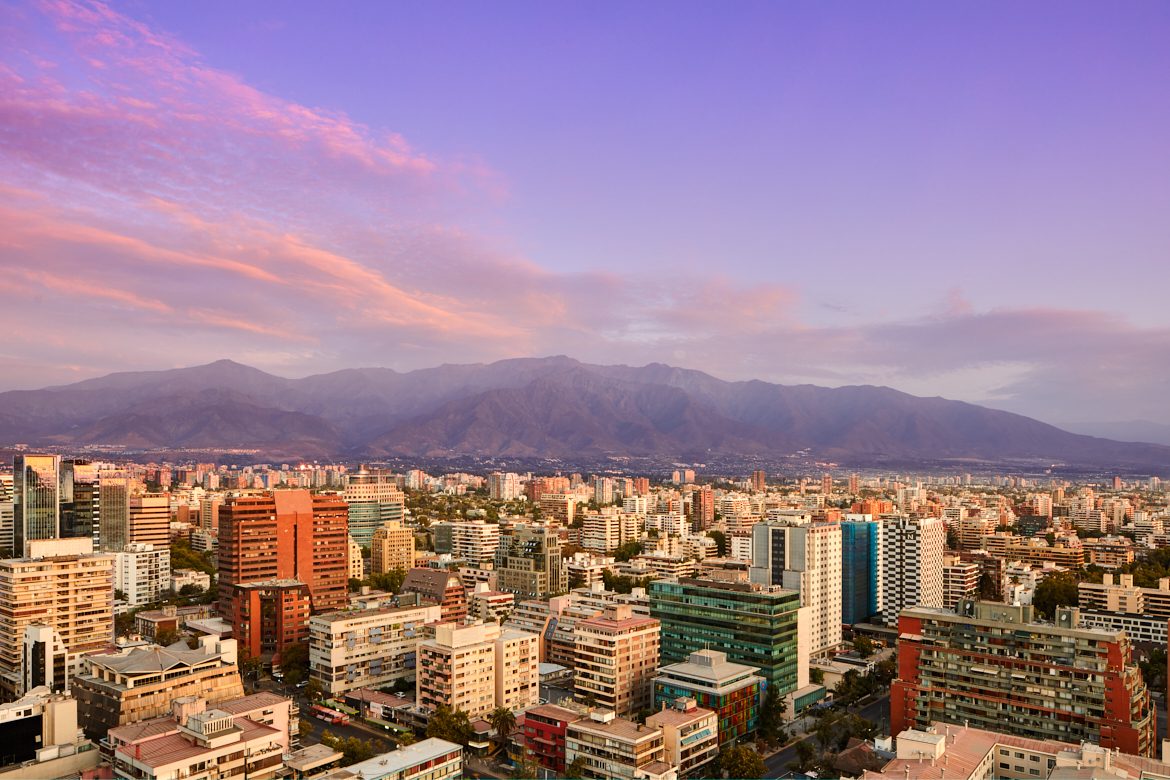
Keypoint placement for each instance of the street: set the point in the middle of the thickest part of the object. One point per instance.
(877, 711)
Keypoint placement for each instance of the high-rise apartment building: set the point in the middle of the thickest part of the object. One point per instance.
(960, 580)
(617, 659)
(503, 487)
(284, 535)
(142, 572)
(373, 499)
(150, 519)
(641, 485)
(912, 564)
(805, 558)
(528, 563)
(475, 541)
(827, 484)
(605, 533)
(759, 481)
(477, 668)
(854, 484)
(392, 548)
(558, 509)
(270, 616)
(753, 624)
(703, 508)
(36, 499)
(61, 584)
(861, 574)
(441, 588)
(992, 666)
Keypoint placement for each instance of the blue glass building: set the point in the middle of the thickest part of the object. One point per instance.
(860, 580)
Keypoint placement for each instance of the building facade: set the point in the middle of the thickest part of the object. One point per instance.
(617, 657)
(528, 563)
(391, 547)
(142, 572)
(733, 692)
(912, 564)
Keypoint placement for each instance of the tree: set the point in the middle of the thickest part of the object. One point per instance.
(576, 581)
(576, 768)
(720, 542)
(886, 671)
(526, 768)
(166, 637)
(805, 755)
(305, 728)
(1055, 590)
(354, 584)
(987, 589)
(740, 763)
(503, 720)
(952, 538)
(816, 676)
(772, 712)
(864, 646)
(313, 690)
(294, 660)
(824, 730)
(404, 738)
(1050, 537)
(190, 589)
(119, 595)
(627, 551)
(451, 725)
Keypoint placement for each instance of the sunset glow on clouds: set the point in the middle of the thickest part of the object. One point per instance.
(157, 210)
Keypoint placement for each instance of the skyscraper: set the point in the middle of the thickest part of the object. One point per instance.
(36, 500)
(373, 499)
(114, 510)
(912, 564)
(805, 558)
(80, 499)
(861, 581)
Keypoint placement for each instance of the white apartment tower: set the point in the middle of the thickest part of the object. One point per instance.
(142, 572)
(912, 564)
(805, 558)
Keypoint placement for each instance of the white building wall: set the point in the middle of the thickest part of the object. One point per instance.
(912, 564)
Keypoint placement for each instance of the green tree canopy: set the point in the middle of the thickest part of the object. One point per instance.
(451, 725)
(1055, 590)
(864, 646)
(740, 763)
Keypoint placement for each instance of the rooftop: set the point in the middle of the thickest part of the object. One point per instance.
(404, 758)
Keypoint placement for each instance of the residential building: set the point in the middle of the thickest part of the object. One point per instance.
(503, 487)
(180, 578)
(528, 563)
(1150, 629)
(605, 532)
(617, 749)
(150, 622)
(81, 609)
(149, 519)
(617, 656)
(439, 587)
(196, 743)
(36, 500)
(753, 624)
(476, 668)
(960, 580)
(430, 759)
(269, 616)
(268, 709)
(806, 558)
(39, 736)
(1117, 593)
(542, 735)
(392, 547)
(127, 686)
(490, 605)
(558, 509)
(993, 666)
(702, 508)
(662, 565)
(354, 560)
(142, 572)
(861, 574)
(912, 564)
(372, 647)
(475, 541)
(964, 752)
(733, 692)
(284, 535)
(587, 569)
(690, 733)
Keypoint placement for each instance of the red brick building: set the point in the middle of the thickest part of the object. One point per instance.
(283, 535)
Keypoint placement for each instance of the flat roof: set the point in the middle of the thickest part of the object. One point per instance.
(403, 758)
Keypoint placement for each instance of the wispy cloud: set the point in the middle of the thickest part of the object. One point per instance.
(156, 211)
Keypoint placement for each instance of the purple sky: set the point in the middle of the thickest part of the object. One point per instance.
(968, 200)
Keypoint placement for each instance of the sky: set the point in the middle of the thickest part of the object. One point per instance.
(966, 200)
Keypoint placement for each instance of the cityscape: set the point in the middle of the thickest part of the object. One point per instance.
(585, 390)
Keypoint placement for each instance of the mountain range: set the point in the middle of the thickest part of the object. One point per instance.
(552, 407)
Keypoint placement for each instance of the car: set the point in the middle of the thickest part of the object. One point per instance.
(302, 684)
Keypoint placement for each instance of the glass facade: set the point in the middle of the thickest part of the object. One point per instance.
(753, 625)
(860, 543)
(80, 500)
(36, 501)
(738, 711)
(114, 510)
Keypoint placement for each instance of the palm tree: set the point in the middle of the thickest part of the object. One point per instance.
(503, 720)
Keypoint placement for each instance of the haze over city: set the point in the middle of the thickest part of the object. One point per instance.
(966, 201)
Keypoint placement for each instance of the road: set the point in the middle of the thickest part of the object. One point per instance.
(878, 712)
(361, 731)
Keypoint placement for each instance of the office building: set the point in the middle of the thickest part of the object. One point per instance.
(269, 616)
(753, 624)
(142, 572)
(367, 648)
(912, 564)
(733, 692)
(861, 577)
(81, 610)
(617, 657)
(373, 500)
(150, 519)
(35, 498)
(80, 499)
(528, 563)
(114, 490)
(806, 558)
(6, 515)
(284, 535)
(991, 666)
(128, 686)
(441, 588)
(392, 547)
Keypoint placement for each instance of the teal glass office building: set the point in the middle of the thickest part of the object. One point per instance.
(752, 624)
(860, 547)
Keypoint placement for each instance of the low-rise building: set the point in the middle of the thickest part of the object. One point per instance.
(438, 587)
(430, 759)
(180, 578)
(735, 692)
(542, 732)
(490, 605)
(617, 749)
(117, 688)
(691, 735)
(367, 648)
(150, 622)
